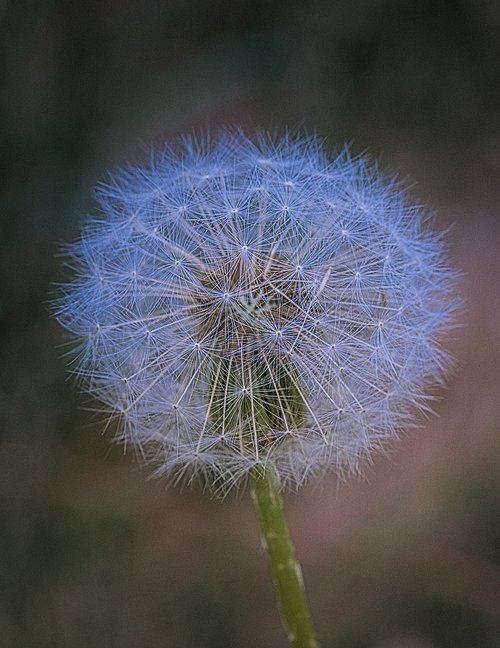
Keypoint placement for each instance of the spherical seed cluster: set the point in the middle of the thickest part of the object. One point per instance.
(243, 301)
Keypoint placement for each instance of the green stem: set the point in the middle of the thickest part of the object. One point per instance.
(285, 567)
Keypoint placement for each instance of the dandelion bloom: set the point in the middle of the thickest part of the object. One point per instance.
(241, 301)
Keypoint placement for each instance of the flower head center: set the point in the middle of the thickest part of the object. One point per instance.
(253, 388)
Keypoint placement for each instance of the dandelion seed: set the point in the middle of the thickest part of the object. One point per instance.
(248, 302)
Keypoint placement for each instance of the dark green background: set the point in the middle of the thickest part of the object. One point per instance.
(92, 554)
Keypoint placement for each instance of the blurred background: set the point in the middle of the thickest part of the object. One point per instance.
(92, 554)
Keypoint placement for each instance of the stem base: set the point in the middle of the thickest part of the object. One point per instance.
(285, 568)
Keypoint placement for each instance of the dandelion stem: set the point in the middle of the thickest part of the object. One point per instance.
(286, 571)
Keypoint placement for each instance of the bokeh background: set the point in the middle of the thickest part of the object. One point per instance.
(92, 554)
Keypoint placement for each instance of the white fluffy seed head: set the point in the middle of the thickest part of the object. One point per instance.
(243, 301)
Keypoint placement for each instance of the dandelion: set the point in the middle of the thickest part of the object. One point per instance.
(252, 307)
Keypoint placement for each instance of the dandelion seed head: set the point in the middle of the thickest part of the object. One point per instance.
(242, 301)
